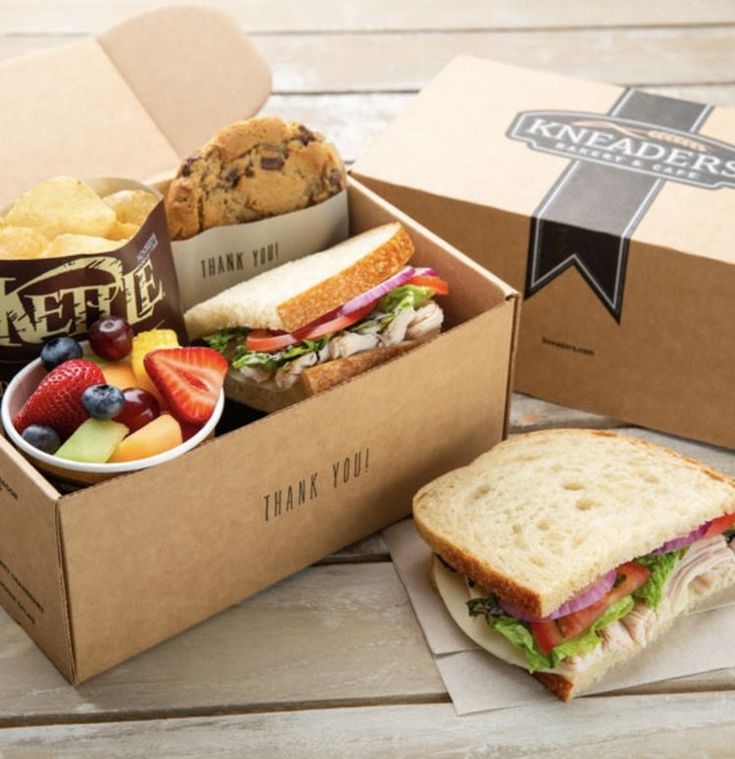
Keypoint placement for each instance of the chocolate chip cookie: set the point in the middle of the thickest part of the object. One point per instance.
(251, 170)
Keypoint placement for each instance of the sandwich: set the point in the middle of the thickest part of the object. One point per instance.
(567, 552)
(310, 324)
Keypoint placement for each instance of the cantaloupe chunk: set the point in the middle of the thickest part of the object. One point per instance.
(119, 374)
(160, 435)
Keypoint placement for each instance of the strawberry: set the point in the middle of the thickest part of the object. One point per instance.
(56, 401)
(190, 379)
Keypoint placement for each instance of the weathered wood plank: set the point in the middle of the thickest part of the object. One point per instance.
(359, 62)
(331, 634)
(527, 414)
(377, 15)
(401, 62)
(626, 726)
(372, 548)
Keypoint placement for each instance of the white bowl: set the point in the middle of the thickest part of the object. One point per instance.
(21, 387)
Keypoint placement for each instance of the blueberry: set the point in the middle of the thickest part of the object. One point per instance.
(103, 401)
(59, 349)
(40, 436)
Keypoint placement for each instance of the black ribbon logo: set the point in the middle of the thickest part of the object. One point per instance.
(587, 218)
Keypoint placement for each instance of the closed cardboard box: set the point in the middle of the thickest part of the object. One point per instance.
(103, 573)
(612, 210)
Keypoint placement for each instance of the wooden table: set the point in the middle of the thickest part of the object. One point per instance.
(331, 661)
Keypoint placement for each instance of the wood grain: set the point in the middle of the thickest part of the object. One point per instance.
(377, 15)
(398, 62)
(622, 727)
(331, 634)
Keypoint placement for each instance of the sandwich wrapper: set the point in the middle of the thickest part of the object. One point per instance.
(221, 257)
(701, 641)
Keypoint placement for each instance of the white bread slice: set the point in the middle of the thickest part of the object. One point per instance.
(299, 292)
(542, 515)
(316, 379)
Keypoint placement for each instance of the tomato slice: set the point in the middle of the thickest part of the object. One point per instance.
(333, 323)
(266, 341)
(720, 525)
(547, 634)
(437, 284)
(634, 576)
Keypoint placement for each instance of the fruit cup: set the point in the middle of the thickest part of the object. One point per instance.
(21, 387)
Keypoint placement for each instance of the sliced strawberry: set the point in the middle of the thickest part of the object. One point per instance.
(56, 401)
(190, 379)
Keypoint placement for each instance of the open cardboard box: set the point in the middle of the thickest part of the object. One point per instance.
(612, 210)
(101, 574)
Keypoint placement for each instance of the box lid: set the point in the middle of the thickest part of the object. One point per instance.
(505, 137)
(131, 102)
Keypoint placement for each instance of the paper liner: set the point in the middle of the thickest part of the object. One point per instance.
(701, 641)
(221, 257)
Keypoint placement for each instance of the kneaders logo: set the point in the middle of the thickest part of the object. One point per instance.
(669, 154)
(619, 161)
(55, 303)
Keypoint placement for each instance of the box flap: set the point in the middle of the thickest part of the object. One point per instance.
(192, 68)
(130, 104)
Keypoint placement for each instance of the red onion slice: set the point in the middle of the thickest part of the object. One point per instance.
(378, 291)
(586, 597)
(684, 540)
(425, 271)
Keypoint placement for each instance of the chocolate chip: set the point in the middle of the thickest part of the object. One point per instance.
(271, 163)
(249, 170)
(306, 135)
(232, 177)
(335, 178)
(186, 166)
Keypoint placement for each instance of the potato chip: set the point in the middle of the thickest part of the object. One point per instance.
(62, 205)
(122, 231)
(70, 245)
(20, 242)
(131, 206)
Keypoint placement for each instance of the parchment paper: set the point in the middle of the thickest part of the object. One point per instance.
(701, 641)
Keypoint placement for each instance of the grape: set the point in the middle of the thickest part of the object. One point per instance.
(140, 408)
(103, 401)
(59, 349)
(111, 337)
(40, 436)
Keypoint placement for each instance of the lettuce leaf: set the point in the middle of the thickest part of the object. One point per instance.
(589, 639)
(270, 362)
(406, 296)
(519, 634)
(660, 565)
(231, 342)
(223, 340)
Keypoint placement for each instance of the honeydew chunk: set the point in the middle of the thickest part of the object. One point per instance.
(93, 442)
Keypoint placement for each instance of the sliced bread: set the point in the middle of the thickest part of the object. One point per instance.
(542, 515)
(300, 292)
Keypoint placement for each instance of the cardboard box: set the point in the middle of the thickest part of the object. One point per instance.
(610, 209)
(101, 574)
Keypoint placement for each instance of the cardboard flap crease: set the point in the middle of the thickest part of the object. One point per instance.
(130, 103)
